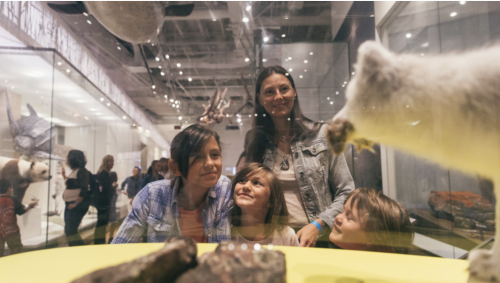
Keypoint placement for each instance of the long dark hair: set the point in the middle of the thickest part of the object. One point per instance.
(263, 126)
(277, 215)
(76, 159)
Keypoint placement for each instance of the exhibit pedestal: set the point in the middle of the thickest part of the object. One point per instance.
(30, 223)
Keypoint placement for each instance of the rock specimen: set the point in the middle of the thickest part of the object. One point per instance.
(465, 209)
(164, 266)
(234, 263)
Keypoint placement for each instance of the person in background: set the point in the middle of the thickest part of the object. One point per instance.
(315, 181)
(372, 221)
(134, 185)
(165, 171)
(196, 203)
(104, 199)
(113, 217)
(9, 207)
(153, 173)
(76, 196)
(259, 214)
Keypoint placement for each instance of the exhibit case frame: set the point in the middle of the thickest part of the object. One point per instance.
(71, 113)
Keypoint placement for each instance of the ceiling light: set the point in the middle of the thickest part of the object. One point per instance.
(124, 117)
(154, 92)
(85, 14)
(264, 60)
(289, 58)
(88, 21)
(214, 20)
(249, 8)
(328, 98)
(371, 16)
(180, 72)
(352, 73)
(108, 104)
(462, 2)
(286, 17)
(453, 14)
(290, 70)
(283, 35)
(162, 73)
(305, 61)
(245, 20)
(177, 102)
(176, 106)
(311, 53)
(336, 92)
(171, 100)
(178, 65)
(166, 56)
(119, 48)
(408, 35)
(173, 105)
(180, 118)
(305, 71)
(345, 82)
(133, 125)
(68, 70)
(422, 54)
(166, 96)
(153, 86)
(190, 79)
(59, 63)
(102, 99)
(286, 74)
(157, 59)
(286, 60)
(331, 102)
(247, 59)
(266, 39)
(239, 120)
(301, 76)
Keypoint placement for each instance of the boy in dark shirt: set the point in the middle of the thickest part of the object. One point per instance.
(9, 207)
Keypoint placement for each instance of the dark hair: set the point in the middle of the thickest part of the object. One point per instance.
(137, 168)
(113, 176)
(4, 186)
(277, 215)
(76, 159)
(388, 226)
(150, 169)
(263, 126)
(188, 143)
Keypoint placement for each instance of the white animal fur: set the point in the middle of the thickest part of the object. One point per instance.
(39, 172)
(445, 108)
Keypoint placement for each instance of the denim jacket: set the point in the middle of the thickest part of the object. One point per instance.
(324, 179)
(156, 210)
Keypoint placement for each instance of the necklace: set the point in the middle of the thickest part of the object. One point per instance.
(284, 165)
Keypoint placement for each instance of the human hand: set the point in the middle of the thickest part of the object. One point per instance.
(63, 172)
(308, 235)
(131, 200)
(125, 193)
(71, 206)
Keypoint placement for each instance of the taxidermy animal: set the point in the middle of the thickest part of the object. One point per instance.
(22, 173)
(445, 108)
(30, 134)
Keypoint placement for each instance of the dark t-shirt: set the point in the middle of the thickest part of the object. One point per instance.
(104, 197)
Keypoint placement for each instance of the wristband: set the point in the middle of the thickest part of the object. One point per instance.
(318, 226)
(76, 203)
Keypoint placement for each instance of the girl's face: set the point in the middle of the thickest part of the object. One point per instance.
(277, 95)
(348, 231)
(206, 167)
(111, 163)
(157, 168)
(253, 193)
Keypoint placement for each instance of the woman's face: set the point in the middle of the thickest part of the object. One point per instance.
(348, 230)
(277, 96)
(206, 167)
(157, 167)
(253, 193)
(111, 163)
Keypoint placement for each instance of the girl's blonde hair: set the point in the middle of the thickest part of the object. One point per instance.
(386, 222)
(104, 163)
(277, 215)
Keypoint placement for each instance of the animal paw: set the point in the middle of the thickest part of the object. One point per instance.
(483, 266)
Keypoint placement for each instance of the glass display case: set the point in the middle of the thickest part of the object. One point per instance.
(453, 212)
(56, 109)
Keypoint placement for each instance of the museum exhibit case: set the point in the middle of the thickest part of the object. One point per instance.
(453, 211)
(55, 109)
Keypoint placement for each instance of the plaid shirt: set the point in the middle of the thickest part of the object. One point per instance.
(155, 210)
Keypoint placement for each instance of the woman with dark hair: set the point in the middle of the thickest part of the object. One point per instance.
(315, 181)
(76, 196)
(259, 215)
(196, 203)
(153, 173)
(104, 199)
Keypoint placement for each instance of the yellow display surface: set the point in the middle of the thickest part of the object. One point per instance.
(303, 264)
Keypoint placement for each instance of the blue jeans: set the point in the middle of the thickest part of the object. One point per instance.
(72, 219)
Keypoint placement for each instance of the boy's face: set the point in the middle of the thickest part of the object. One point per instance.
(348, 231)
